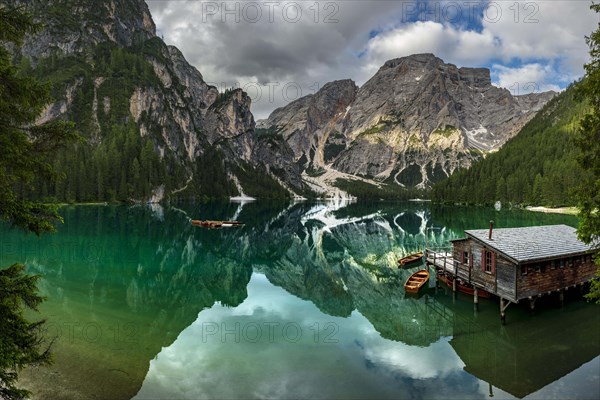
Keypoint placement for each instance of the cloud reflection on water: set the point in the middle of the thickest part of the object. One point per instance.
(361, 364)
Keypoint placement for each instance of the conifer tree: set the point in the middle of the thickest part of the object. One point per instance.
(589, 143)
(25, 150)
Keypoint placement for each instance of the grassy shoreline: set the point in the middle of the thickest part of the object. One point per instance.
(557, 210)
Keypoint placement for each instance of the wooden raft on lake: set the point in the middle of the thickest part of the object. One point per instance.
(217, 224)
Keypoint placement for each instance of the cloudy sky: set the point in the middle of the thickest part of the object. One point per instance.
(280, 50)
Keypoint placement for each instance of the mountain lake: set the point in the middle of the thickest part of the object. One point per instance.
(304, 301)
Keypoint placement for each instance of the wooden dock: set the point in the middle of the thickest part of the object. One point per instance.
(444, 263)
(440, 260)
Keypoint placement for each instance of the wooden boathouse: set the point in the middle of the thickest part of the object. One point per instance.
(517, 263)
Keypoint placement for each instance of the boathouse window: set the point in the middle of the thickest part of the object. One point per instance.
(553, 264)
(489, 262)
(562, 263)
(523, 269)
(465, 258)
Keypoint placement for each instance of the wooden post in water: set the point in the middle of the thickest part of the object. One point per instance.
(562, 297)
(532, 304)
(476, 298)
(502, 311)
(435, 277)
(455, 268)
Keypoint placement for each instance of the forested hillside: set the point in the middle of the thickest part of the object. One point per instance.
(536, 167)
(114, 161)
(151, 127)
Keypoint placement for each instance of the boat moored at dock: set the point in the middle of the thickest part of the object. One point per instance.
(416, 281)
(410, 259)
(217, 224)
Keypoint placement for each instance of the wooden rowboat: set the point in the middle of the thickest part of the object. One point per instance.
(411, 258)
(463, 287)
(216, 224)
(416, 281)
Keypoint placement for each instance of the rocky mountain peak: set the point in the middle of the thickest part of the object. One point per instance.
(229, 117)
(307, 123)
(336, 86)
(476, 77)
(413, 61)
(332, 99)
(414, 122)
(115, 79)
(429, 63)
(74, 26)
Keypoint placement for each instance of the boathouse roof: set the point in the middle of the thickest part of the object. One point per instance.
(533, 243)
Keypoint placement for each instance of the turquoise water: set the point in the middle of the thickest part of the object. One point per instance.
(304, 301)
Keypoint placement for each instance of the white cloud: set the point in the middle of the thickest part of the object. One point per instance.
(543, 29)
(530, 78)
(310, 52)
(522, 31)
(450, 44)
(307, 53)
(550, 30)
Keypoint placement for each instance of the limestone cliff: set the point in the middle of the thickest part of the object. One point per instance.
(416, 121)
(108, 69)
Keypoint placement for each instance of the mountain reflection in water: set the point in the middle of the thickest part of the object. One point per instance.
(140, 301)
